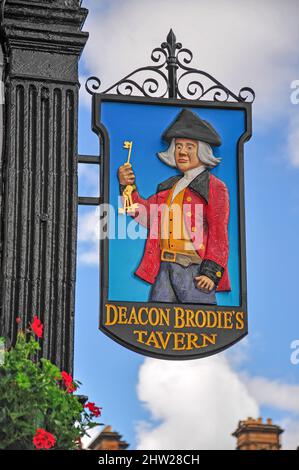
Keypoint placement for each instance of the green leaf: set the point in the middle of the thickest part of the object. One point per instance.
(31, 396)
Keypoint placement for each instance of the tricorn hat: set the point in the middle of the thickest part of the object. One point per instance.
(187, 125)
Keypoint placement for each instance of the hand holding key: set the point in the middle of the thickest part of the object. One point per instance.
(126, 174)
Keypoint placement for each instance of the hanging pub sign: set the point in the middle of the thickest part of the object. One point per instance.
(172, 248)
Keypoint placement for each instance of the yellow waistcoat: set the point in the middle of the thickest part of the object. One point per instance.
(173, 233)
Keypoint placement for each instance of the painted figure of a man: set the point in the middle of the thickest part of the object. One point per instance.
(179, 269)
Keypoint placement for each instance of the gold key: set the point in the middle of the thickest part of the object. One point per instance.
(129, 207)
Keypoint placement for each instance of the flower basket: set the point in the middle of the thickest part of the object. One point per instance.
(38, 408)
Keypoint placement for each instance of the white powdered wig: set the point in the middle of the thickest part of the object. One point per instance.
(205, 155)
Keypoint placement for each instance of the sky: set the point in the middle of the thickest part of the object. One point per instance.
(158, 404)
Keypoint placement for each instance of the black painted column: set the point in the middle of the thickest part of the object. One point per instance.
(42, 41)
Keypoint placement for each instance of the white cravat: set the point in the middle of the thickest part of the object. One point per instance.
(189, 176)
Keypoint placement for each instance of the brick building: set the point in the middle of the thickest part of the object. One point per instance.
(108, 440)
(253, 434)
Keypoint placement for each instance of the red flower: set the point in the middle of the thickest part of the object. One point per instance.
(43, 439)
(68, 382)
(95, 410)
(18, 320)
(37, 327)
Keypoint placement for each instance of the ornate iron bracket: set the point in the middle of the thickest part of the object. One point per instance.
(173, 78)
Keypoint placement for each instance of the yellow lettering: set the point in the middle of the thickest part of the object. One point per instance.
(192, 341)
(140, 335)
(122, 311)
(211, 316)
(152, 340)
(153, 316)
(111, 310)
(219, 312)
(145, 309)
(178, 340)
(190, 318)
(208, 339)
(204, 319)
(228, 324)
(179, 317)
(163, 342)
(133, 317)
(165, 317)
(239, 320)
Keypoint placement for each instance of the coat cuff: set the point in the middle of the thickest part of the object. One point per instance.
(212, 270)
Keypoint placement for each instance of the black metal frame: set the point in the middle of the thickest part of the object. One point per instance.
(90, 160)
(235, 103)
(168, 57)
(42, 43)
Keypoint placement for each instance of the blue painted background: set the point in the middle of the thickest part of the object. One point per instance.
(144, 124)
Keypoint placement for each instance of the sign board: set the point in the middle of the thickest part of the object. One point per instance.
(172, 249)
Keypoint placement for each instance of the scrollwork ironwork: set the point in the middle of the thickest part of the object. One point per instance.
(186, 60)
(250, 94)
(92, 85)
(161, 52)
(172, 82)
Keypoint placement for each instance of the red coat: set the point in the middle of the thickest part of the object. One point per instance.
(212, 194)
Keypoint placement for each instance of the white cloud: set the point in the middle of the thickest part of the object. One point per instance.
(92, 434)
(241, 43)
(239, 354)
(89, 179)
(248, 43)
(90, 257)
(88, 236)
(274, 394)
(89, 226)
(290, 438)
(198, 404)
